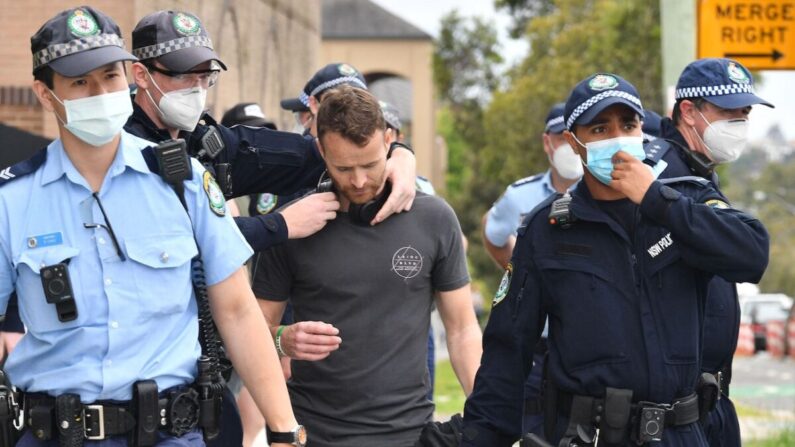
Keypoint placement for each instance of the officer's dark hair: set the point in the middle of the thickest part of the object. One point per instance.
(676, 116)
(351, 112)
(45, 75)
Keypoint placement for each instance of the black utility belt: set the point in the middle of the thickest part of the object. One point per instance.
(617, 418)
(175, 411)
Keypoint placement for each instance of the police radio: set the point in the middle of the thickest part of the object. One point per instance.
(560, 213)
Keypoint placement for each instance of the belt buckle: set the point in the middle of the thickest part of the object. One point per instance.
(99, 423)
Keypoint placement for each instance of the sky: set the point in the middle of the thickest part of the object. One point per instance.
(777, 87)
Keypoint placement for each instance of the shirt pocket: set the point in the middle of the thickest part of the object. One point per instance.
(39, 315)
(588, 312)
(161, 270)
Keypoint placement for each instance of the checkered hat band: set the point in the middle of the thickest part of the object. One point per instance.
(392, 119)
(582, 108)
(157, 50)
(304, 98)
(554, 122)
(713, 90)
(335, 82)
(49, 54)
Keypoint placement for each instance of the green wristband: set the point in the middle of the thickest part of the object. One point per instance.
(278, 340)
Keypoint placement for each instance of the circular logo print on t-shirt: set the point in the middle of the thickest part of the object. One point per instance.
(407, 262)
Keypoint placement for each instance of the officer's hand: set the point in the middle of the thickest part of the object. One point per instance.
(631, 176)
(310, 340)
(401, 170)
(310, 214)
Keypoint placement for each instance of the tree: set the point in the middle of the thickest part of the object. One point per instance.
(522, 11)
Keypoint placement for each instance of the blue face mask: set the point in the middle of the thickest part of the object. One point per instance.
(600, 155)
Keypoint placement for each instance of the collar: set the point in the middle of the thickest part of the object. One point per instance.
(128, 155)
(546, 183)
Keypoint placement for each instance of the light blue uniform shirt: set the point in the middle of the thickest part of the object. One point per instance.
(136, 319)
(519, 198)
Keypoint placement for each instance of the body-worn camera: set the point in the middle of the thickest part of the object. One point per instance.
(58, 290)
(651, 424)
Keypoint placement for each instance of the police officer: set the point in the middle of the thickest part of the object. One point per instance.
(621, 273)
(710, 126)
(177, 66)
(505, 216)
(392, 119)
(98, 248)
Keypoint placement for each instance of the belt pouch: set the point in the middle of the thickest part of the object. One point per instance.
(69, 418)
(615, 415)
(144, 406)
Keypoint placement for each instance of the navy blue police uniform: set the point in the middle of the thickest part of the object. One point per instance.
(701, 79)
(624, 290)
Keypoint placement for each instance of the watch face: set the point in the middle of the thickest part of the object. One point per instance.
(300, 435)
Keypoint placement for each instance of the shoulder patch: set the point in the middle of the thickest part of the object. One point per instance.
(531, 179)
(266, 203)
(717, 203)
(23, 168)
(656, 150)
(505, 285)
(214, 194)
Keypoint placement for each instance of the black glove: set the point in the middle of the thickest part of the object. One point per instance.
(442, 434)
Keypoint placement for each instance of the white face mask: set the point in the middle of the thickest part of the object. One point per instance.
(566, 162)
(725, 140)
(180, 109)
(96, 120)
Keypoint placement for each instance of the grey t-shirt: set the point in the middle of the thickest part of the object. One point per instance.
(376, 285)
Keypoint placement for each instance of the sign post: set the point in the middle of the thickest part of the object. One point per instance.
(760, 34)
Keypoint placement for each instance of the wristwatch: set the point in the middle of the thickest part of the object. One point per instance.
(296, 436)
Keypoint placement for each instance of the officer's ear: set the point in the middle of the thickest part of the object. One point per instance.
(314, 105)
(140, 75)
(579, 149)
(44, 95)
(547, 142)
(688, 112)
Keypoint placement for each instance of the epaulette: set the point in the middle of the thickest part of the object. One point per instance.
(529, 216)
(532, 178)
(656, 150)
(23, 168)
(686, 179)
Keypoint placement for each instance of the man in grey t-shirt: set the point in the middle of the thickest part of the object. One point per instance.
(362, 296)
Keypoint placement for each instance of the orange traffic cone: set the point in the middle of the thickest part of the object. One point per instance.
(745, 341)
(775, 338)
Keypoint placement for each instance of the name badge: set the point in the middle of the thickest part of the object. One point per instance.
(45, 240)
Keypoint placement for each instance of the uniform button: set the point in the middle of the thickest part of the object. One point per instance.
(114, 324)
(669, 193)
(271, 225)
(164, 257)
(108, 281)
(101, 241)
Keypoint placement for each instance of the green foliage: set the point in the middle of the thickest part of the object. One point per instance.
(522, 11)
(447, 393)
(783, 439)
(770, 195)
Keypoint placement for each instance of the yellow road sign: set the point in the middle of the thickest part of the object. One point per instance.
(759, 34)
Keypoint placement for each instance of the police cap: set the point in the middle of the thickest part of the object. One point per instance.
(722, 82)
(596, 93)
(554, 121)
(330, 76)
(178, 40)
(77, 41)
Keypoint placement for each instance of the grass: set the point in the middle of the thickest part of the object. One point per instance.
(447, 392)
(783, 439)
